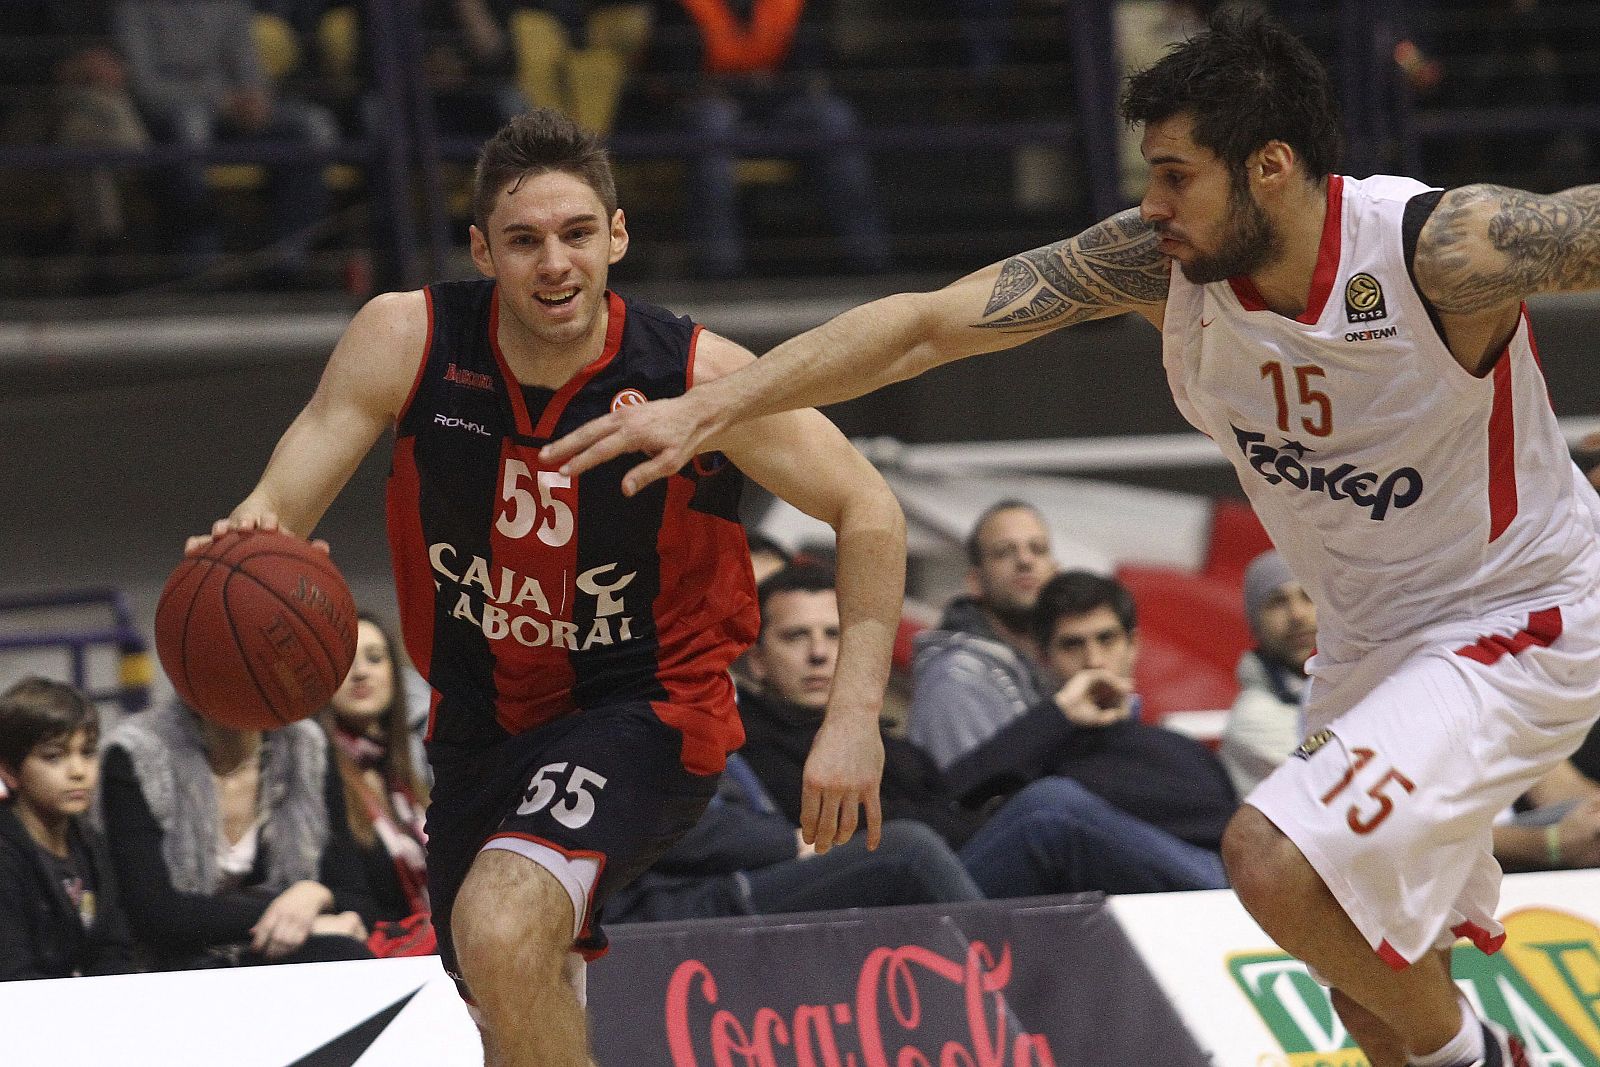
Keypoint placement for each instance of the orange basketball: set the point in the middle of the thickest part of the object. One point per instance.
(256, 630)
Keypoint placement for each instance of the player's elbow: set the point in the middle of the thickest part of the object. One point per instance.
(872, 509)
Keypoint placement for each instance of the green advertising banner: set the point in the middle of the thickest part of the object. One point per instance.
(1544, 985)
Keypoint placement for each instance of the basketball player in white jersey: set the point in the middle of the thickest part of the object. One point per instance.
(1360, 351)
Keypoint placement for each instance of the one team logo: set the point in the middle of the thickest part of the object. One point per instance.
(1363, 299)
(626, 399)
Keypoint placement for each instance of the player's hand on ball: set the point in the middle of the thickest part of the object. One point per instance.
(241, 521)
(841, 778)
(286, 923)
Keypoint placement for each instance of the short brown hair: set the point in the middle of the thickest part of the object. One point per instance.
(534, 142)
(974, 542)
(36, 711)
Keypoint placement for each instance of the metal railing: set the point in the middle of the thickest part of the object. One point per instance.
(1386, 127)
(135, 668)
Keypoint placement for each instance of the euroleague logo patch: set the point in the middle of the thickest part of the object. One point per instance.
(1363, 299)
(628, 398)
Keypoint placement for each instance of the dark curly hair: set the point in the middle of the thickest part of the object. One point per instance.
(1245, 81)
(1073, 593)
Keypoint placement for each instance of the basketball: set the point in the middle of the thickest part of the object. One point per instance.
(256, 630)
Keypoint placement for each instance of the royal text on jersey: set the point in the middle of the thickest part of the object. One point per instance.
(1285, 465)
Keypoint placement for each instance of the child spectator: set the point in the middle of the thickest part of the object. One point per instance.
(60, 915)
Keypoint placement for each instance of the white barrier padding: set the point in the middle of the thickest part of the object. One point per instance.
(241, 1017)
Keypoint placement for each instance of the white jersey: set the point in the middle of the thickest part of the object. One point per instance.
(1408, 496)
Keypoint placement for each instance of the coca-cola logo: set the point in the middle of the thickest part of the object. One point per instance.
(898, 995)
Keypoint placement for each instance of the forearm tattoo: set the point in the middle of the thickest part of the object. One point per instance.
(1112, 266)
(1539, 244)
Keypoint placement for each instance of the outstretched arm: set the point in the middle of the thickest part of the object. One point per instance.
(803, 458)
(361, 392)
(1110, 268)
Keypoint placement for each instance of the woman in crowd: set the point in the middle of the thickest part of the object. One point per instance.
(384, 794)
(232, 845)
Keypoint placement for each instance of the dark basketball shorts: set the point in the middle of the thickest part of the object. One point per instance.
(595, 798)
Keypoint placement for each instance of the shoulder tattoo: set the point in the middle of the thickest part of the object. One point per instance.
(1112, 266)
(1487, 245)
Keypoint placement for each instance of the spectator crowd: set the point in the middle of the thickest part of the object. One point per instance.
(297, 90)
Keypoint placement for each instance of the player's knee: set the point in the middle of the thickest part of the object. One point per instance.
(1256, 855)
(510, 916)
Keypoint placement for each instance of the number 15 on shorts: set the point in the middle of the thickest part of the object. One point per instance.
(576, 806)
(1363, 816)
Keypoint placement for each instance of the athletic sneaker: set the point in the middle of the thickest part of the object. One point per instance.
(1502, 1048)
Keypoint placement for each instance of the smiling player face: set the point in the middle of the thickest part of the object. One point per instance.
(550, 245)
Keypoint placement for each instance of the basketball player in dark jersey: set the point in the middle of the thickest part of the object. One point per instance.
(577, 640)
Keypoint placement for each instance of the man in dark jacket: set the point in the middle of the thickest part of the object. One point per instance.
(1089, 730)
(59, 911)
(1052, 836)
(745, 858)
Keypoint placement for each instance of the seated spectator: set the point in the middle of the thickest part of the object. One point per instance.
(233, 846)
(68, 44)
(197, 77)
(383, 793)
(760, 70)
(1089, 730)
(744, 858)
(1264, 724)
(61, 915)
(979, 670)
(1557, 825)
(1054, 836)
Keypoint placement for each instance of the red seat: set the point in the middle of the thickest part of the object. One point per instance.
(1237, 537)
(904, 636)
(1192, 632)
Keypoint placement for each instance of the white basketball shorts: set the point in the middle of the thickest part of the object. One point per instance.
(1412, 755)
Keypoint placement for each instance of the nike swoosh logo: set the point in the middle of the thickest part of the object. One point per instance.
(350, 1046)
(1206, 322)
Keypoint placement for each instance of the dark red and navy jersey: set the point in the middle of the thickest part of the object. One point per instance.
(526, 595)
